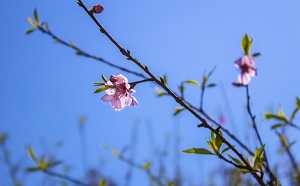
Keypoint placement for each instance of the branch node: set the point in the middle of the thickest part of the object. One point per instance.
(124, 52)
(79, 3)
(200, 125)
(218, 129)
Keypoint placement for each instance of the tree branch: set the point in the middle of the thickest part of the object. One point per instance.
(175, 97)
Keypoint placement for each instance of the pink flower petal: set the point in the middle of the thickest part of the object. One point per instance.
(119, 92)
(245, 78)
(116, 104)
(134, 101)
(107, 98)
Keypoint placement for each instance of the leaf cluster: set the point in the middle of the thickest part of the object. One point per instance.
(42, 164)
(281, 119)
(101, 85)
(215, 144)
(35, 22)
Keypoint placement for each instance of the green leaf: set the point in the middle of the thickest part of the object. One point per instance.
(170, 183)
(218, 143)
(256, 54)
(270, 115)
(147, 165)
(102, 182)
(60, 41)
(204, 79)
(101, 89)
(226, 149)
(277, 126)
(165, 79)
(43, 165)
(46, 26)
(103, 78)
(181, 88)
(33, 23)
(296, 109)
(192, 82)
(213, 146)
(237, 161)
(282, 115)
(33, 169)
(257, 159)
(294, 114)
(283, 140)
(161, 93)
(36, 17)
(31, 154)
(215, 143)
(245, 171)
(246, 44)
(198, 151)
(30, 31)
(178, 110)
(211, 85)
(99, 84)
(212, 136)
(72, 44)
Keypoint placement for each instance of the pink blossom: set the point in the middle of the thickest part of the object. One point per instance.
(119, 93)
(246, 64)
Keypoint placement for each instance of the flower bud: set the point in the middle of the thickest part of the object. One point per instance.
(113, 78)
(97, 9)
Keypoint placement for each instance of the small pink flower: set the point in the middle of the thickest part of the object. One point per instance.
(97, 9)
(119, 93)
(246, 64)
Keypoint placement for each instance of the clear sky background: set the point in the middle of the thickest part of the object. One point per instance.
(45, 88)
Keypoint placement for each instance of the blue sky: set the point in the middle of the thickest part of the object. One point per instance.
(45, 88)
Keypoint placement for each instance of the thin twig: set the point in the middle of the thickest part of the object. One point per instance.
(294, 126)
(290, 155)
(133, 84)
(252, 116)
(147, 171)
(83, 53)
(272, 176)
(10, 167)
(64, 177)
